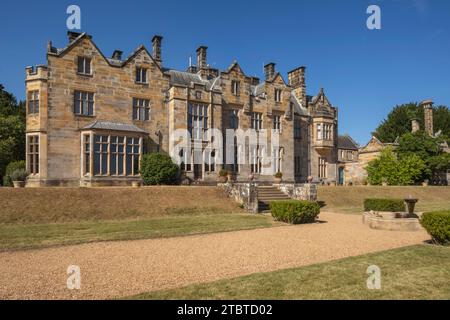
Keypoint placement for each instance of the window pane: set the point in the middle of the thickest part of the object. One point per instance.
(120, 165)
(96, 163)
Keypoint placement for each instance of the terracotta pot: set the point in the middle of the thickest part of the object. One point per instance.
(230, 177)
(19, 184)
(223, 179)
(277, 180)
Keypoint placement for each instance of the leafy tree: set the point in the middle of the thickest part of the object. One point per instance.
(398, 121)
(158, 169)
(12, 129)
(428, 149)
(388, 168)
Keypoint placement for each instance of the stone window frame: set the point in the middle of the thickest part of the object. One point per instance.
(277, 123)
(256, 154)
(82, 102)
(33, 101)
(143, 109)
(82, 71)
(211, 156)
(256, 121)
(186, 160)
(278, 93)
(33, 155)
(198, 113)
(109, 134)
(141, 72)
(235, 87)
(322, 168)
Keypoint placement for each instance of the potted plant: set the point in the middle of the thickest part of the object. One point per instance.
(278, 177)
(223, 176)
(18, 178)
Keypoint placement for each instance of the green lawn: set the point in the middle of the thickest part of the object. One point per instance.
(418, 272)
(25, 236)
(351, 199)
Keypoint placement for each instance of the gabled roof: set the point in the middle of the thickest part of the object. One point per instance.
(346, 142)
(110, 61)
(114, 126)
(232, 66)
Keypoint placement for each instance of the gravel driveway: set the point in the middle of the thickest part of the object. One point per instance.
(117, 269)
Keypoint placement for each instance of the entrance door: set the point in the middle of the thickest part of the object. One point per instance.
(341, 176)
(198, 172)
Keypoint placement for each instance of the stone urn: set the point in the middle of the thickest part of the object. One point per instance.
(230, 177)
(19, 184)
(410, 205)
(223, 179)
(251, 177)
(310, 179)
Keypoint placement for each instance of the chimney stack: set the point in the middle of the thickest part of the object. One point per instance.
(156, 43)
(201, 57)
(117, 55)
(269, 70)
(427, 106)
(297, 81)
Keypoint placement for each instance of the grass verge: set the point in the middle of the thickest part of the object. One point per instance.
(417, 272)
(30, 236)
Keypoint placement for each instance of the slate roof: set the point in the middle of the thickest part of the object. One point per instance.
(346, 142)
(298, 108)
(114, 126)
(186, 78)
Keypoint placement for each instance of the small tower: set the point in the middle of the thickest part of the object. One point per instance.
(427, 106)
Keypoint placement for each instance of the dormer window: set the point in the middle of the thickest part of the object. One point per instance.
(84, 66)
(141, 75)
(235, 87)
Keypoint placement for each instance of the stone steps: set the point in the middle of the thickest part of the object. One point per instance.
(268, 194)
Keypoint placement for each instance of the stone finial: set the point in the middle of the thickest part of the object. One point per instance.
(415, 125)
(117, 55)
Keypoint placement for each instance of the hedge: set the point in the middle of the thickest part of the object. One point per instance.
(437, 225)
(393, 205)
(294, 211)
(10, 168)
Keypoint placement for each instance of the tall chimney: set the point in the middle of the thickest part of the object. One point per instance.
(269, 70)
(427, 106)
(156, 43)
(201, 57)
(297, 81)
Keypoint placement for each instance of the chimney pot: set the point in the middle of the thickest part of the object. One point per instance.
(117, 55)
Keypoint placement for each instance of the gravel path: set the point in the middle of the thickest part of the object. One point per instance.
(117, 269)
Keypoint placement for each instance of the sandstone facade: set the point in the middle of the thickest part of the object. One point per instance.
(97, 115)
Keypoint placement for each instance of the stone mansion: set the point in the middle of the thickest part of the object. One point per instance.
(91, 117)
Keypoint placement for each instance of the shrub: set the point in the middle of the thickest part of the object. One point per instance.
(294, 211)
(157, 169)
(223, 173)
(384, 205)
(278, 175)
(19, 175)
(437, 225)
(12, 166)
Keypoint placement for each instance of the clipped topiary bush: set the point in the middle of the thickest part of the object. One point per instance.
(393, 205)
(10, 168)
(158, 169)
(295, 211)
(437, 225)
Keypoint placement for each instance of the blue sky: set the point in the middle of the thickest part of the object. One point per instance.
(364, 72)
